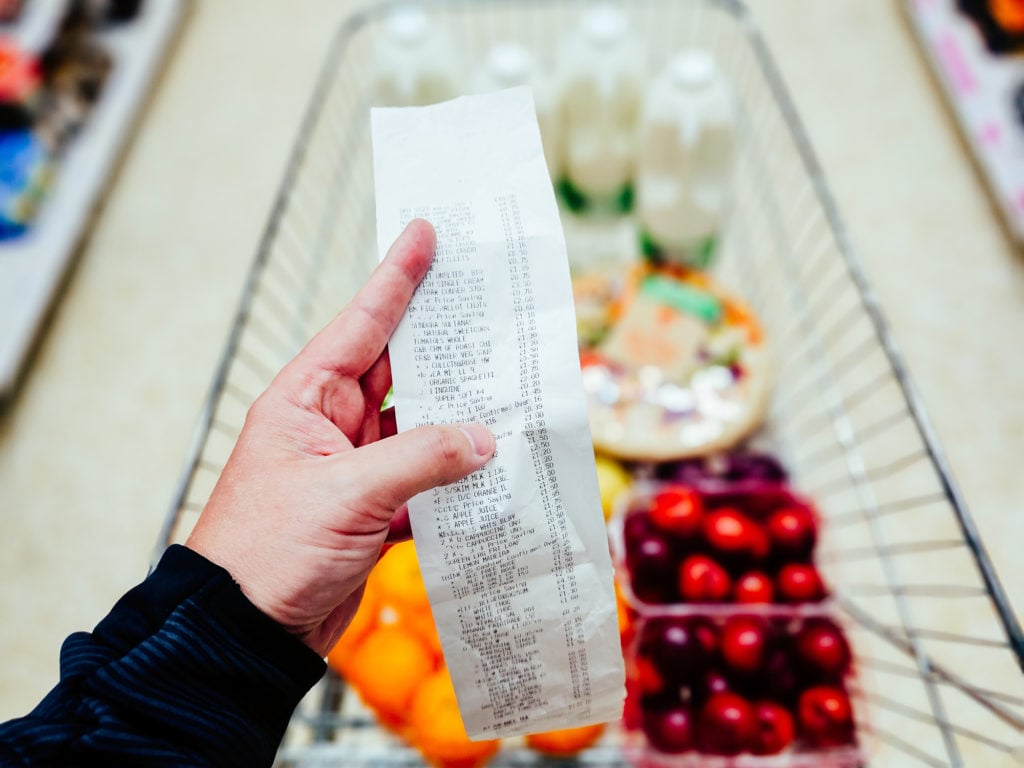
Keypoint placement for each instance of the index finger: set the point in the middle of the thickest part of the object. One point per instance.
(353, 341)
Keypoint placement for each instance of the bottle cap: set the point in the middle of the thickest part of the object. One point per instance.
(693, 69)
(509, 64)
(408, 25)
(605, 25)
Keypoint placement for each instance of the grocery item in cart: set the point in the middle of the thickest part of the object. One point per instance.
(508, 65)
(673, 365)
(601, 79)
(685, 160)
(674, 543)
(565, 742)
(415, 62)
(729, 683)
(738, 673)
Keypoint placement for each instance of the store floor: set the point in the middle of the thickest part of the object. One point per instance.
(91, 449)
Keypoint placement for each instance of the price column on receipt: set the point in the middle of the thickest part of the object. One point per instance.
(515, 557)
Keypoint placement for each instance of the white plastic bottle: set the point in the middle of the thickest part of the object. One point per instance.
(600, 78)
(684, 168)
(415, 62)
(508, 65)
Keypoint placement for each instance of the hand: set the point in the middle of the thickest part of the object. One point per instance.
(318, 481)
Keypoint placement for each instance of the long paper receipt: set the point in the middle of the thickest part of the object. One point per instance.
(515, 557)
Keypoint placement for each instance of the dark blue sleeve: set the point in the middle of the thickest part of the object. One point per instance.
(183, 671)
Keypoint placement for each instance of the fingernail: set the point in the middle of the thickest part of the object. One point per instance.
(480, 437)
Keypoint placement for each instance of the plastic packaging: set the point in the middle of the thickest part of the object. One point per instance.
(415, 62)
(759, 681)
(601, 77)
(508, 65)
(684, 167)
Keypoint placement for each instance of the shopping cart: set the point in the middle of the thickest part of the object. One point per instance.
(939, 649)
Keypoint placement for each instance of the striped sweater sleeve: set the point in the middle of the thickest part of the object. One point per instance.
(183, 671)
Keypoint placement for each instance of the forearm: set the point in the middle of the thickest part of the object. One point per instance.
(184, 670)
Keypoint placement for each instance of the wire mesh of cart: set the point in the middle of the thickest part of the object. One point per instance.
(938, 648)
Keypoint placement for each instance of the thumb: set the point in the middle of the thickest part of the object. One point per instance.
(395, 469)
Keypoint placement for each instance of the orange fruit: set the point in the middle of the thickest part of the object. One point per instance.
(422, 624)
(565, 742)
(397, 579)
(387, 668)
(436, 727)
(624, 614)
(363, 622)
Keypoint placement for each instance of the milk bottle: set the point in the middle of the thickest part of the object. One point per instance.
(415, 63)
(508, 65)
(684, 168)
(600, 78)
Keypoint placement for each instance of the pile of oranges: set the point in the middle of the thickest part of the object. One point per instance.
(391, 655)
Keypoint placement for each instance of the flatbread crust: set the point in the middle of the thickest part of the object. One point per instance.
(669, 401)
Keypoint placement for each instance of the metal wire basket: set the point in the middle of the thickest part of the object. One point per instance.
(937, 643)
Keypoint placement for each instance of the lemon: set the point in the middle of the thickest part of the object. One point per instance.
(612, 480)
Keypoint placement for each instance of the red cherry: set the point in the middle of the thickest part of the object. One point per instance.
(702, 580)
(712, 682)
(774, 728)
(645, 677)
(678, 510)
(669, 730)
(674, 648)
(799, 583)
(760, 546)
(706, 633)
(780, 676)
(793, 532)
(822, 646)
(651, 563)
(744, 643)
(727, 725)
(754, 587)
(631, 713)
(635, 527)
(734, 536)
(825, 717)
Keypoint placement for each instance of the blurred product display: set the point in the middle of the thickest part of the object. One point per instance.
(73, 77)
(684, 170)
(19, 87)
(973, 48)
(25, 168)
(1000, 22)
(74, 68)
(99, 12)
